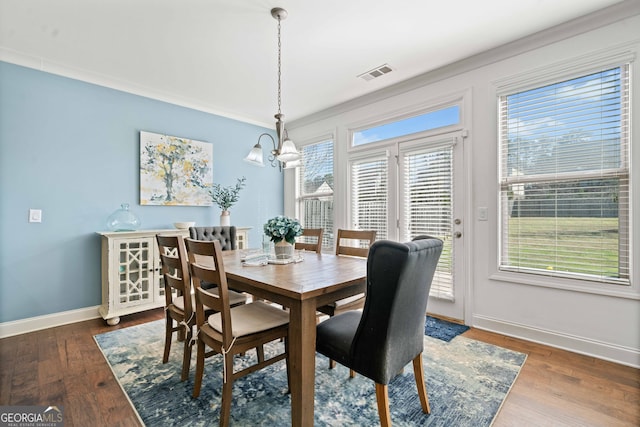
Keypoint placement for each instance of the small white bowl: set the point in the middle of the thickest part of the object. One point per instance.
(184, 225)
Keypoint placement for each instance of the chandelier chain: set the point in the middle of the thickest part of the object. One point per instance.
(279, 67)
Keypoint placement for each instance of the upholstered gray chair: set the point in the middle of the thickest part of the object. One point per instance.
(388, 334)
(226, 235)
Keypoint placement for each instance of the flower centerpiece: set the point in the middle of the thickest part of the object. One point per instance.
(225, 197)
(283, 231)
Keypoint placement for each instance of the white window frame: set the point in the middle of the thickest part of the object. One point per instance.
(328, 244)
(567, 70)
(436, 105)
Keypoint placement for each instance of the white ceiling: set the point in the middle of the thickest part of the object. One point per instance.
(220, 55)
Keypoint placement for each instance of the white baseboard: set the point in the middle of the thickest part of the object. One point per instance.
(22, 326)
(614, 353)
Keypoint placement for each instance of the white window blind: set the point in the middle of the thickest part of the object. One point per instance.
(428, 208)
(315, 188)
(564, 178)
(369, 195)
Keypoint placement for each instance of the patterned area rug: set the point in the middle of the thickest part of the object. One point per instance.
(467, 381)
(443, 330)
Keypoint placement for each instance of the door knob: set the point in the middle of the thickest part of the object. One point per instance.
(457, 234)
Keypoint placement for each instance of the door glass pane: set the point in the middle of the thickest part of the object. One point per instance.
(369, 195)
(428, 207)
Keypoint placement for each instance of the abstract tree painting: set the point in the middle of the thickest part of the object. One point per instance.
(175, 171)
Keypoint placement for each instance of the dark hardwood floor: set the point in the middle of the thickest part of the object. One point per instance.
(63, 366)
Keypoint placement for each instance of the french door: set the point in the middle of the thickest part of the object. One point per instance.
(411, 188)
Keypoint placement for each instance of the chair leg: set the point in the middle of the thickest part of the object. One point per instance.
(199, 369)
(352, 373)
(186, 357)
(260, 351)
(332, 364)
(168, 335)
(382, 397)
(227, 389)
(418, 371)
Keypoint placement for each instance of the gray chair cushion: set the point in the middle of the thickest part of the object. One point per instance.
(335, 338)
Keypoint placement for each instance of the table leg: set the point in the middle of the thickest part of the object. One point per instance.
(302, 357)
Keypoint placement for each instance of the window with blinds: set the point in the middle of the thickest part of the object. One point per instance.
(564, 178)
(369, 195)
(315, 189)
(428, 207)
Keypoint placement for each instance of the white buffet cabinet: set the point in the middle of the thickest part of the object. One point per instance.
(132, 279)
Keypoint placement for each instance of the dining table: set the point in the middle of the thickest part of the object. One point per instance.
(314, 280)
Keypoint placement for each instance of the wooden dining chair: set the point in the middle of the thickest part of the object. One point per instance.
(179, 311)
(388, 333)
(363, 239)
(308, 234)
(231, 330)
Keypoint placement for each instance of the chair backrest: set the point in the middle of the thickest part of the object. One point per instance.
(175, 268)
(306, 245)
(226, 235)
(365, 237)
(206, 265)
(391, 330)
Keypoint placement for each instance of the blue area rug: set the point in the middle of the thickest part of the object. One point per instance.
(443, 330)
(467, 381)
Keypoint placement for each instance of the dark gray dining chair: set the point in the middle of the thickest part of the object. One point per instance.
(389, 332)
(226, 235)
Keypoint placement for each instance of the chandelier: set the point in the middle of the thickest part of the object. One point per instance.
(284, 153)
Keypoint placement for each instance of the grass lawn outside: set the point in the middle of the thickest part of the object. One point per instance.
(577, 245)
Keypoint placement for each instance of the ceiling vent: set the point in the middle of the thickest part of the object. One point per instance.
(376, 72)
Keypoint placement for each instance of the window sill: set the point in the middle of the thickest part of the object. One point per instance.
(617, 291)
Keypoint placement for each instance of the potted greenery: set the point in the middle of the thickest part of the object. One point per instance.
(225, 197)
(283, 231)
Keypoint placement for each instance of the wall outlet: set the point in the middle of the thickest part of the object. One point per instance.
(35, 215)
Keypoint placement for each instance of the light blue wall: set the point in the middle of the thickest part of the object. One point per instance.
(72, 149)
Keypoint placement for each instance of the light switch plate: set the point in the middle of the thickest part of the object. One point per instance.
(483, 214)
(35, 215)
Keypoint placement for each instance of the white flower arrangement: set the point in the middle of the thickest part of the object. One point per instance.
(283, 228)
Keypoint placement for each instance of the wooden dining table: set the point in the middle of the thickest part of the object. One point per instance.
(301, 287)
